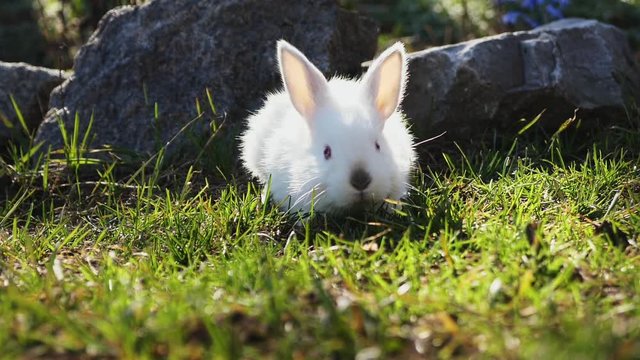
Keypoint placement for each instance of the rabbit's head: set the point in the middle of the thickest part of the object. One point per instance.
(358, 141)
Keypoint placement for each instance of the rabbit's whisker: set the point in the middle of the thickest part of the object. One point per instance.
(316, 188)
(429, 139)
(313, 197)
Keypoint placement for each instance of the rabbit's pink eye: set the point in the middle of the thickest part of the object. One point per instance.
(377, 146)
(327, 152)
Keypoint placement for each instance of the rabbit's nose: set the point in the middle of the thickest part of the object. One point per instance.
(360, 179)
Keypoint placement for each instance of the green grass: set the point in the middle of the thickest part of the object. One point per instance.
(525, 249)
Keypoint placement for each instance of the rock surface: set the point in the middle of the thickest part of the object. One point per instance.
(169, 51)
(493, 82)
(30, 87)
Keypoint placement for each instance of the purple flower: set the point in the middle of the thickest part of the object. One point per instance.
(531, 12)
(530, 4)
(530, 21)
(511, 17)
(554, 12)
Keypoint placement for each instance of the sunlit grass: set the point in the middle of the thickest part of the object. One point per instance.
(522, 250)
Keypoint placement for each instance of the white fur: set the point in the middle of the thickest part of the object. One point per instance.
(285, 140)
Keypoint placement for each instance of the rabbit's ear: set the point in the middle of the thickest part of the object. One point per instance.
(386, 78)
(304, 83)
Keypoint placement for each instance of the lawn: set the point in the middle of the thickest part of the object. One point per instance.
(522, 246)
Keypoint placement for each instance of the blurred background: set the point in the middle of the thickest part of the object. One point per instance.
(50, 32)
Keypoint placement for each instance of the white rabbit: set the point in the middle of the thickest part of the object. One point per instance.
(334, 145)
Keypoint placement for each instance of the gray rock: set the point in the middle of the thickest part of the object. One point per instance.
(494, 82)
(169, 51)
(30, 87)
